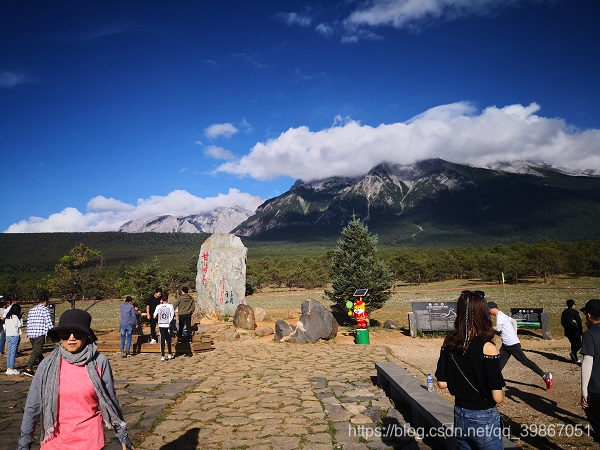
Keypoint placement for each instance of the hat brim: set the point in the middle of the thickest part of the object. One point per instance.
(53, 332)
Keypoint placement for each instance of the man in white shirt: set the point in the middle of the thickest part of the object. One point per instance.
(164, 314)
(511, 345)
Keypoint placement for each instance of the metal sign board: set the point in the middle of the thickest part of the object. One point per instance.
(434, 316)
(527, 317)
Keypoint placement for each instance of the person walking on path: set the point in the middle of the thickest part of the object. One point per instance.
(13, 324)
(164, 314)
(469, 367)
(38, 324)
(2, 331)
(185, 306)
(590, 366)
(4, 311)
(151, 303)
(571, 322)
(128, 321)
(137, 328)
(72, 393)
(511, 345)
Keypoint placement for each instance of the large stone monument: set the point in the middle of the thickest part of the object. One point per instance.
(221, 278)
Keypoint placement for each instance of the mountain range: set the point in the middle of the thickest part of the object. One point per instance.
(429, 202)
(221, 220)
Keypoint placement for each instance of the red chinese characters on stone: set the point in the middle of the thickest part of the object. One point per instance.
(204, 266)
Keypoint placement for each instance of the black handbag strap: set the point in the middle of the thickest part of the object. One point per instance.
(469, 381)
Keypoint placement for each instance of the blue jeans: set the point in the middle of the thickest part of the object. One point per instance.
(126, 331)
(11, 353)
(477, 428)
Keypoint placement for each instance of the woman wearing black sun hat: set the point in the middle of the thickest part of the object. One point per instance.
(72, 393)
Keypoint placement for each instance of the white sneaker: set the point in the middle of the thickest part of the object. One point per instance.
(171, 356)
(13, 372)
(162, 358)
(153, 341)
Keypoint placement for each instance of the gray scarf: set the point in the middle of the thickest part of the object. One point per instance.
(111, 412)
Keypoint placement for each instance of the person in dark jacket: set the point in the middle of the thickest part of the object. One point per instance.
(590, 367)
(185, 306)
(469, 366)
(151, 303)
(571, 322)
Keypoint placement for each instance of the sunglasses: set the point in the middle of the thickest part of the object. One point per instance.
(64, 335)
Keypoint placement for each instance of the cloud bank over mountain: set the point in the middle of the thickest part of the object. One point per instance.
(455, 132)
(108, 214)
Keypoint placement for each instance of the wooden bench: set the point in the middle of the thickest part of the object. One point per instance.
(426, 410)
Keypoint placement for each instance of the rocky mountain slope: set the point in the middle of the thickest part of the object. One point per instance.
(440, 201)
(430, 202)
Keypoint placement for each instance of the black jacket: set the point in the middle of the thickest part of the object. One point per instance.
(571, 322)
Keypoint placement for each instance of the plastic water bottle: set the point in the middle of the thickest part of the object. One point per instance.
(429, 382)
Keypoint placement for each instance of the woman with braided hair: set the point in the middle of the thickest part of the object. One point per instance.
(469, 367)
(72, 393)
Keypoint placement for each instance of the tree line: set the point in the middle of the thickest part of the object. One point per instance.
(83, 274)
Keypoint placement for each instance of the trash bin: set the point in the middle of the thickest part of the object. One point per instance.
(362, 336)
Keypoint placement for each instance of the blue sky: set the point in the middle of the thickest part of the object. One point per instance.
(113, 110)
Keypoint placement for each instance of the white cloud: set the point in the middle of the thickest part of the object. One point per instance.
(293, 18)
(399, 14)
(456, 132)
(220, 130)
(325, 30)
(356, 35)
(12, 79)
(246, 126)
(101, 203)
(220, 153)
(106, 214)
(410, 13)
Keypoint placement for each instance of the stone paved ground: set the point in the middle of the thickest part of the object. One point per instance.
(247, 394)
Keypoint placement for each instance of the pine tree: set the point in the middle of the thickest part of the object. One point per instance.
(355, 266)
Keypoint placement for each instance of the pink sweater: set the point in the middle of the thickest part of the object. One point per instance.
(79, 418)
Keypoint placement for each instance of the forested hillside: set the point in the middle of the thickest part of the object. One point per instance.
(129, 261)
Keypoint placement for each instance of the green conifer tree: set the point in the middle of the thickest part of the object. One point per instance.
(355, 266)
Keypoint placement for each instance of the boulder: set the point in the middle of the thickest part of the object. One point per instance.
(231, 335)
(392, 325)
(282, 330)
(316, 322)
(244, 317)
(221, 276)
(260, 314)
(264, 331)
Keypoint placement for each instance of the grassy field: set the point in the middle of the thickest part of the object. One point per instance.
(529, 293)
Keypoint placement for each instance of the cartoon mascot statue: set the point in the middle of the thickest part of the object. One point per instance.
(358, 311)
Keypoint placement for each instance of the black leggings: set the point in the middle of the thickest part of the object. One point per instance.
(516, 351)
(165, 336)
